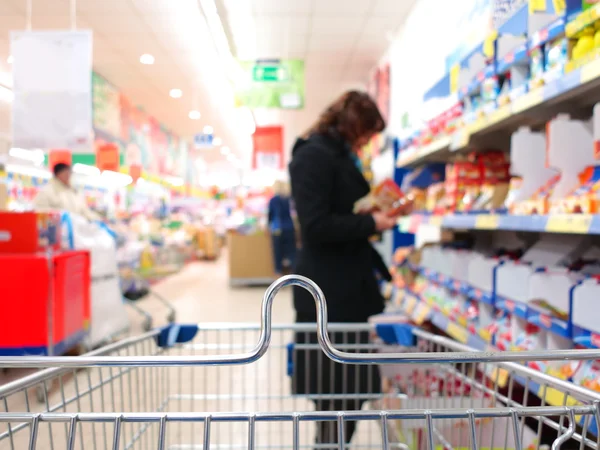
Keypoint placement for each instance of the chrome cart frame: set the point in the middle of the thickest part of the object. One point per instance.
(216, 386)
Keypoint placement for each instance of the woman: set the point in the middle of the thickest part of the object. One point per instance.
(336, 253)
(281, 226)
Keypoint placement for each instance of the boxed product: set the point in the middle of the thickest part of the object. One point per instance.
(386, 197)
(29, 232)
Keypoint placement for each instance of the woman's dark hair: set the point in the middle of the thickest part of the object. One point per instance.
(351, 116)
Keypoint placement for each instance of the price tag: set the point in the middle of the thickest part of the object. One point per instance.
(569, 223)
(421, 314)
(410, 304)
(528, 101)
(458, 333)
(590, 71)
(487, 222)
(537, 6)
(554, 397)
(460, 139)
(436, 221)
(500, 377)
(500, 114)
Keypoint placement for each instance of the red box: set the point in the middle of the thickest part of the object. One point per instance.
(46, 302)
(29, 232)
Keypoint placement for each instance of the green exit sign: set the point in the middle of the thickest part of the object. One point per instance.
(268, 73)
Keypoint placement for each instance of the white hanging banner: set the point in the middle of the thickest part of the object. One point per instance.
(52, 73)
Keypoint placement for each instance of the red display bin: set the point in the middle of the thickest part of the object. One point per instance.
(45, 302)
(29, 232)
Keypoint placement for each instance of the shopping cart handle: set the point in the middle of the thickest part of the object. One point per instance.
(175, 334)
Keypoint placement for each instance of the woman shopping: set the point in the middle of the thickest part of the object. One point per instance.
(336, 253)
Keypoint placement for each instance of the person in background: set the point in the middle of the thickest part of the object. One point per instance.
(282, 229)
(58, 194)
(336, 254)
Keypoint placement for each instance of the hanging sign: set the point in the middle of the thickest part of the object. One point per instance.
(106, 107)
(58, 156)
(107, 157)
(277, 83)
(268, 148)
(52, 106)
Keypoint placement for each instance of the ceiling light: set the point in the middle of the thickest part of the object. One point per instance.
(10, 59)
(194, 115)
(147, 59)
(176, 93)
(208, 129)
(225, 150)
(217, 141)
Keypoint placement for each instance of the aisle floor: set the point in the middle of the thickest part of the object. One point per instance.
(200, 293)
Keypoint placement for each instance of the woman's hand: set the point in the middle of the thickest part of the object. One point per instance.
(384, 222)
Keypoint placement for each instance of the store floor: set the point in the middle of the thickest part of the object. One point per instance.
(200, 293)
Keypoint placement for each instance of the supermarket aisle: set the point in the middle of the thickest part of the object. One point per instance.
(201, 293)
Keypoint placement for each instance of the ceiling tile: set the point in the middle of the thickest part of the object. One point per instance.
(337, 25)
(305, 7)
(105, 7)
(399, 7)
(278, 23)
(381, 26)
(344, 7)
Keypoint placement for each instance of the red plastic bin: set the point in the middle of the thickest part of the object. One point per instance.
(45, 306)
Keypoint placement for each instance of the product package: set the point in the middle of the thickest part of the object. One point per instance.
(386, 197)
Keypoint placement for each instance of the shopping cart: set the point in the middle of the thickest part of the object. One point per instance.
(216, 386)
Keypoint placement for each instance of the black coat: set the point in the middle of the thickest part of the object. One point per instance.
(337, 255)
(336, 252)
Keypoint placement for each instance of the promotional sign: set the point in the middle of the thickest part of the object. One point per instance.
(107, 156)
(52, 106)
(59, 155)
(106, 106)
(383, 91)
(268, 148)
(271, 84)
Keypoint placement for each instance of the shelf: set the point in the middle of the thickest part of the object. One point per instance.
(556, 223)
(580, 84)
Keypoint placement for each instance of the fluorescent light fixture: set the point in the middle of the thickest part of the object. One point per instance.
(217, 141)
(176, 93)
(28, 171)
(85, 169)
(147, 59)
(225, 150)
(175, 181)
(208, 129)
(194, 115)
(10, 59)
(34, 156)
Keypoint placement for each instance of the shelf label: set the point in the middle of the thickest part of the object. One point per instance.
(460, 139)
(528, 100)
(487, 222)
(554, 397)
(458, 333)
(410, 305)
(421, 314)
(500, 114)
(569, 223)
(590, 71)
